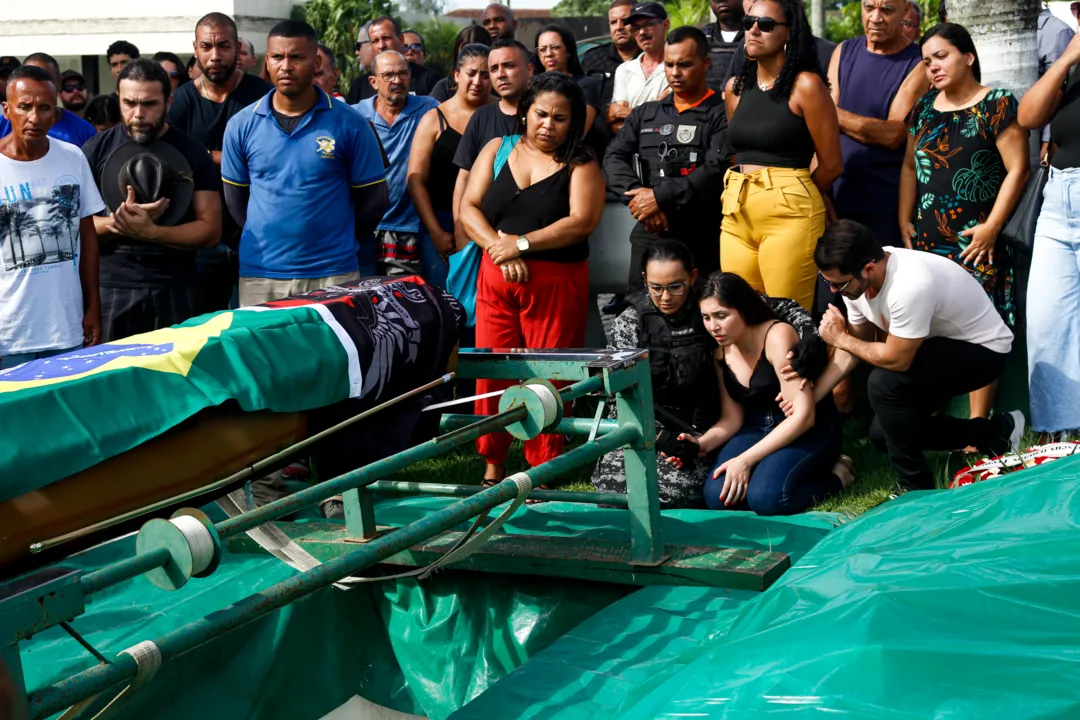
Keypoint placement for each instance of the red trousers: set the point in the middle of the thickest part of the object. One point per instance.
(546, 312)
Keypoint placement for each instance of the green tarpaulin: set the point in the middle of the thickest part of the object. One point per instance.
(421, 647)
(951, 604)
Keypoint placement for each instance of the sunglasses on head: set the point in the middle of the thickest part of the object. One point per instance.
(73, 88)
(765, 24)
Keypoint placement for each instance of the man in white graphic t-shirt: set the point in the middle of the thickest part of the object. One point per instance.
(48, 247)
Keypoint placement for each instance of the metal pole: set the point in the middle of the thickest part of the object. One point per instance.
(567, 426)
(118, 572)
(582, 388)
(76, 688)
(401, 487)
(251, 471)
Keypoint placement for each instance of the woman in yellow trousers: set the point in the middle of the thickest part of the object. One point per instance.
(780, 117)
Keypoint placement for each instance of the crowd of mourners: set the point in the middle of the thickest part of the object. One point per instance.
(800, 207)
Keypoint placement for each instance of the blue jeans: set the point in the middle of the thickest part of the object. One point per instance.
(794, 477)
(1053, 307)
(10, 361)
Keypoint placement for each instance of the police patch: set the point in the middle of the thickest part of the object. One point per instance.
(686, 133)
(667, 130)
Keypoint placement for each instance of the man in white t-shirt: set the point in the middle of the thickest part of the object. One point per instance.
(944, 338)
(642, 79)
(48, 247)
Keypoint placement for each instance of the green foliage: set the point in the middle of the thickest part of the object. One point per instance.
(439, 38)
(847, 21)
(581, 8)
(337, 22)
(687, 12)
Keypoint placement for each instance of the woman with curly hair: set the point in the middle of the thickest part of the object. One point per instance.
(780, 117)
(531, 203)
(964, 172)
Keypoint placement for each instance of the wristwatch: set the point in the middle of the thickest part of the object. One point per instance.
(523, 244)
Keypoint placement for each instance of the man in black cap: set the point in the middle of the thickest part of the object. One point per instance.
(162, 189)
(73, 93)
(642, 79)
(667, 164)
(7, 66)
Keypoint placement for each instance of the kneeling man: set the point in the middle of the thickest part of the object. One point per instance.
(944, 338)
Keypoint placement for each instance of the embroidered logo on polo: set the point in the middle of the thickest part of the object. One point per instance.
(326, 146)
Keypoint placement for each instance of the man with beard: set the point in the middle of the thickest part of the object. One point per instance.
(303, 177)
(73, 92)
(245, 55)
(148, 276)
(395, 114)
(67, 126)
(642, 79)
(202, 108)
(50, 288)
(604, 60)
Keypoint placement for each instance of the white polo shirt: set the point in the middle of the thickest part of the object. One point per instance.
(926, 296)
(631, 85)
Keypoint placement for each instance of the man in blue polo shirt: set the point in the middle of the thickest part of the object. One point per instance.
(395, 115)
(69, 127)
(303, 177)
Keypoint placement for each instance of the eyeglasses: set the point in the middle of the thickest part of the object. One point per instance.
(552, 48)
(360, 44)
(765, 24)
(415, 47)
(834, 286)
(391, 76)
(638, 27)
(674, 289)
(72, 88)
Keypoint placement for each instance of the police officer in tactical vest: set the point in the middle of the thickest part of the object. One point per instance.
(724, 37)
(668, 161)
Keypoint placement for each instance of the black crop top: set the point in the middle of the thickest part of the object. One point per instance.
(1065, 126)
(760, 396)
(443, 173)
(520, 212)
(765, 132)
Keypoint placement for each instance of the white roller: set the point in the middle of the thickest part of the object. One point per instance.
(199, 540)
(548, 400)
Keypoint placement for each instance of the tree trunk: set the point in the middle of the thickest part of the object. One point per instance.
(817, 18)
(1004, 33)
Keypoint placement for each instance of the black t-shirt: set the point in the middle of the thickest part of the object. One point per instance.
(126, 262)
(486, 124)
(205, 121)
(1065, 126)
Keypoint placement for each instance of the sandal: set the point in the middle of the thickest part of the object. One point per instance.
(489, 482)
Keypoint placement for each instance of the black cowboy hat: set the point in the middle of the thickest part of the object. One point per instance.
(155, 170)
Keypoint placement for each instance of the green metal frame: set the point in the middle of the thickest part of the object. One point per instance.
(32, 604)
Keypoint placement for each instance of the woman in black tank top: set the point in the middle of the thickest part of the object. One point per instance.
(432, 172)
(773, 463)
(780, 117)
(531, 202)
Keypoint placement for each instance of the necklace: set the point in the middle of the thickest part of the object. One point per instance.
(765, 87)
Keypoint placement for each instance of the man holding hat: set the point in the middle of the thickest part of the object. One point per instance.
(73, 93)
(642, 79)
(162, 191)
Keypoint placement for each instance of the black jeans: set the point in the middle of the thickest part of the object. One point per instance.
(903, 404)
(705, 246)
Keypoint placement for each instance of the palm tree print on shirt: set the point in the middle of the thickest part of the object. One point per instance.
(958, 174)
(40, 231)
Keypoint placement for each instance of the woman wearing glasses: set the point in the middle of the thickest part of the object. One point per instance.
(177, 72)
(781, 117)
(665, 320)
(557, 50)
(779, 437)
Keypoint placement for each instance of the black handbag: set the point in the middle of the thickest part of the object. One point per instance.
(1019, 231)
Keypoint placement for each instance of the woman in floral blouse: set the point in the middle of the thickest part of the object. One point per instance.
(965, 170)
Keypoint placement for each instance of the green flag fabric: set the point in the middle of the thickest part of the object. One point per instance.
(63, 414)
